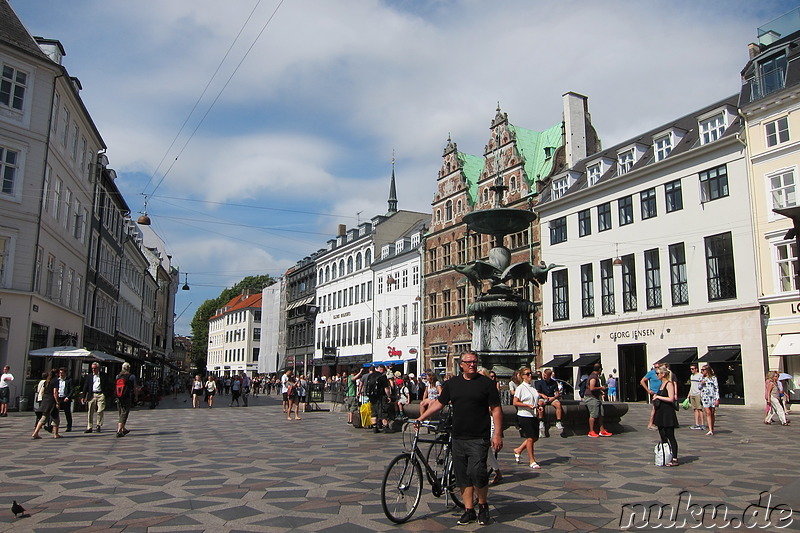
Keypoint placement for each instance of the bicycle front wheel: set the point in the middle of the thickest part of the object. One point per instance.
(401, 489)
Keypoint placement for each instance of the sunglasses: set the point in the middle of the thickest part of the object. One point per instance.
(527, 374)
(469, 362)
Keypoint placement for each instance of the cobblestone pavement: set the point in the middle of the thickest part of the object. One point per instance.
(249, 469)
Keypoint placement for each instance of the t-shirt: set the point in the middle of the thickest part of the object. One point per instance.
(597, 393)
(351, 385)
(547, 387)
(694, 389)
(529, 395)
(382, 382)
(284, 383)
(655, 381)
(471, 399)
(612, 383)
(5, 379)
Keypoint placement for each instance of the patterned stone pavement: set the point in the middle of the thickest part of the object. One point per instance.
(249, 469)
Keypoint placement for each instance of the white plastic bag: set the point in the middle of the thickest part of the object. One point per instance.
(663, 454)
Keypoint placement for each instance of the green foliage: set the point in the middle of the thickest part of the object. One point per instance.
(209, 308)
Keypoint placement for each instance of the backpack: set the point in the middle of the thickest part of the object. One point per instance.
(122, 389)
(663, 454)
(582, 387)
(371, 389)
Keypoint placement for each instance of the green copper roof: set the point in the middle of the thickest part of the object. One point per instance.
(538, 150)
(471, 166)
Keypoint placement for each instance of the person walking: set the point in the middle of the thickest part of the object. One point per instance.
(666, 419)
(49, 406)
(709, 395)
(96, 391)
(772, 395)
(694, 398)
(593, 399)
(475, 400)
(526, 400)
(293, 398)
(38, 396)
(197, 391)
(127, 396)
(65, 396)
(5, 390)
(211, 390)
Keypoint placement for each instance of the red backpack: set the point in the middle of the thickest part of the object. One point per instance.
(123, 388)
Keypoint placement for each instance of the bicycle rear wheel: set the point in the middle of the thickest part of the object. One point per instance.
(401, 489)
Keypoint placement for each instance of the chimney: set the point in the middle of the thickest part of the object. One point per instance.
(753, 50)
(576, 111)
(342, 230)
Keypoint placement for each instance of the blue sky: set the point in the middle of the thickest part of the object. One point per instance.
(295, 132)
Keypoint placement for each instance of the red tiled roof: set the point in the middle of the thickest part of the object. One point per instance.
(237, 303)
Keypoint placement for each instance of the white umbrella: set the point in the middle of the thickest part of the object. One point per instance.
(784, 375)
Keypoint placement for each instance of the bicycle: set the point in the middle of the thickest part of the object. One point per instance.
(401, 489)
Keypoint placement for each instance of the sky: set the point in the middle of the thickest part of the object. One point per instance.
(255, 127)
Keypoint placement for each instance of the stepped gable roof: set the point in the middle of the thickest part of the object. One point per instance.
(14, 33)
(690, 141)
(237, 303)
(471, 167)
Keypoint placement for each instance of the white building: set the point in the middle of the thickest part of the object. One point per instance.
(234, 336)
(654, 245)
(397, 302)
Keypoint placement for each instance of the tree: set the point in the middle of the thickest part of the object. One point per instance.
(209, 308)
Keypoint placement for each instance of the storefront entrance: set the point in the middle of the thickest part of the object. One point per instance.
(632, 368)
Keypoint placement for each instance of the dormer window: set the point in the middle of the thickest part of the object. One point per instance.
(560, 187)
(663, 146)
(624, 161)
(712, 128)
(415, 240)
(398, 246)
(593, 173)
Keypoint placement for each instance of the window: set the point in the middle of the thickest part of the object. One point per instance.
(415, 275)
(652, 278)
(448, 210)
(445, 254)
(432, 260)
(771, 76)
(379, 319)
(560, 187)
(648, 200)
(367, 258)
(432, 306)
(712, 129)
(720, 273)
(350, 265)
(587, 290)
(677, 273)
(461, 304)
(714, 183)
(75, 134)
(782, 190)
(777, 131)
(786, 255)
(584, 222)
(663, 146)
(673, 195)
(8, 170)
(604, 216)
(560, 295)
(625, 205)
(5, 259)
(12, 87)
(358, 261)
(65, 126)
(512, 183)
(593, 174)
(415, 318)
(461, 251)
(624, 161)
(607, 286)
(447, 309)
(558, 230)
(629, 301)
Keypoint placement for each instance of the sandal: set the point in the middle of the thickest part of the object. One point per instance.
(497, 478)
(516, 457)
(674, 462)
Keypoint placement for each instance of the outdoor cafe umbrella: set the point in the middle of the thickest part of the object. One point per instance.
(73, 352)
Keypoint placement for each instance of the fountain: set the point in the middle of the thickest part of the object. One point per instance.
(502, 330)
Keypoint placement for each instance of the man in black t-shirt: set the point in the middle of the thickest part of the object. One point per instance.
(379, 395)
(475, 402)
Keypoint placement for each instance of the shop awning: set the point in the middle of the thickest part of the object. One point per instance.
(679, 356)
(788, 345)
(73, 352)
(721, 355)
(559, 361)
(586, 359)
(298, 303)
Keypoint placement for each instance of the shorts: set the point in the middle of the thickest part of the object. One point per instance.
(528, 427)
(594, 405)
(4, 394)
(197, 392)
(380, 409)
(124, 410)
(351, 404)
(696, 402)
(285, 396)
(469, 462)
(612, 391)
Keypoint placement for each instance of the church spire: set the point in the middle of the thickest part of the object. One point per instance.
(392, 192)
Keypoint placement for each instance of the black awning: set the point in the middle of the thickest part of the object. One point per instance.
(721, 356)
(559, 361)
(586, 359)
(679, 356)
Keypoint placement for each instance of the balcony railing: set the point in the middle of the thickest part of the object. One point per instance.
(767, 83)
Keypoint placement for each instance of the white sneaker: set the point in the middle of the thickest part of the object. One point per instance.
(559, 425)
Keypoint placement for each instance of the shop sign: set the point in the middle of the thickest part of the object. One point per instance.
(632, 334)
(394, 353)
